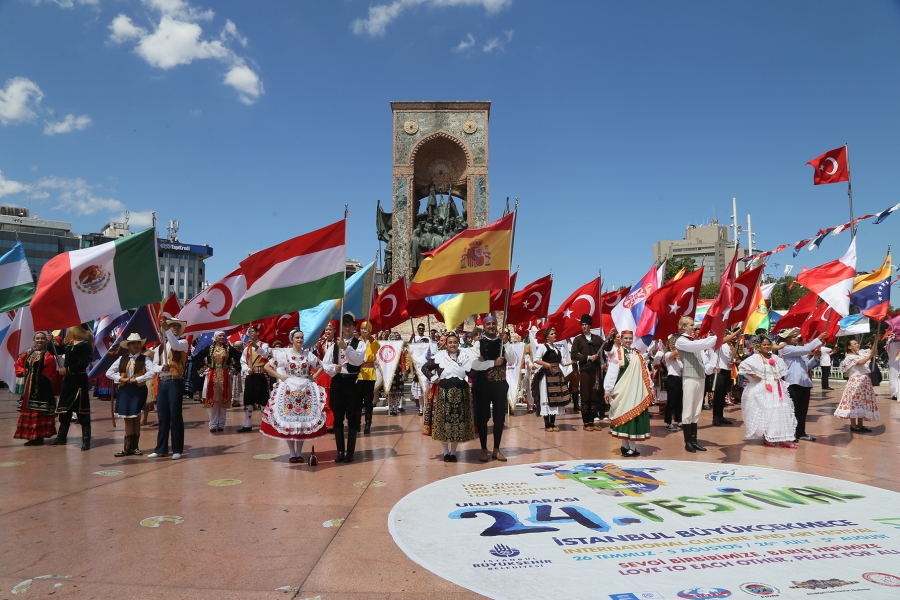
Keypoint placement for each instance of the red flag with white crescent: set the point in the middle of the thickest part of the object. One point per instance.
(744, 292)
(676, 299)
(210, 310)
(531, 302)
(567, 319)
(389, 308)
(831, 167)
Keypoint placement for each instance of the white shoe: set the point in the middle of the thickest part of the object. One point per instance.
(155, 455)
(176, 456)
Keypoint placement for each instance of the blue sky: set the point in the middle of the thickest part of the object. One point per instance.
(615, 123)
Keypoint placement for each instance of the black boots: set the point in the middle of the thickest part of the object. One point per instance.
(85, 436)
(62, 435)
(129, 447)
(351, 446)
(694, 438)
(686, 429)
(339, 442)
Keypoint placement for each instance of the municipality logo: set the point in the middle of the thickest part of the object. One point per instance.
(504, 551)
(704, 592)
(762, 590)
(729, 475)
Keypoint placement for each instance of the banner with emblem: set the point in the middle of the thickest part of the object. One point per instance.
(514, 374)
(419, 353)
(388, 358)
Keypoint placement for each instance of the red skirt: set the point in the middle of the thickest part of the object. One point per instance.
(33, 425)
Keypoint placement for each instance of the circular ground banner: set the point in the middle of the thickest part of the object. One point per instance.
(648, 530)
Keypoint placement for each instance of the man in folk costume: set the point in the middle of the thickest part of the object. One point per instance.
(490, 385)
(629, 392)
(587, 353)
(723, 360)
(343, 360)
(170, 361)
(325, 342)
(415, 389)
(131, 373)
(37, 405)
(256, 383)
(693, 379)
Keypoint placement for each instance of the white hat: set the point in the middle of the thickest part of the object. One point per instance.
(134, 337)
(179, 321)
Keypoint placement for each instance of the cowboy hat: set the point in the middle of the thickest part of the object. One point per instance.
(134, 337)
(179, 321)
(789, 332)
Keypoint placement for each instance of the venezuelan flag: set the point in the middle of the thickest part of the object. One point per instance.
(456, 308)
(475, 260)
(872, 292)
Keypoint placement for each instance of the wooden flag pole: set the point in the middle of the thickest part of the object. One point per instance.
(850, 192)
(512, 245)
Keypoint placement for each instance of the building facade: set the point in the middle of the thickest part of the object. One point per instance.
(42, 239)
(181, 269)
(710, 245)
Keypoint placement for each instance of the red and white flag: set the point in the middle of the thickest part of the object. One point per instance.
(498, 297)
(744, 293)
(532, 302)
(676, 299)
(833, 281)
(822, 317)
(170, 309)
(389, 307)
(720, 310)
(567, 319)
(15, 338)
(797, 314)
(831, 167)
(278, 328)
(210, 309)
(608, 301)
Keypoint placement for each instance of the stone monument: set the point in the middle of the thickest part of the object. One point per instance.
(440, 158)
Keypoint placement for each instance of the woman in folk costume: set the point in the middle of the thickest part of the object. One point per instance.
(766, 406)
(453, 419)
(220, 362)
(132, 372)
(296, 409)
(430, 397)
(37, 405)
(629, 391)
(553, 392)
(75, 394)
(858, 401)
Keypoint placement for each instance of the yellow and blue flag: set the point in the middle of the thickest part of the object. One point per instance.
(872, 292)
(456, 308)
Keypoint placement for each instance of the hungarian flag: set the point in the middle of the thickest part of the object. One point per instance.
(389, 308)
(833, 281)
(583, 301)
(744, 293)
(300, 273)
(676, 299)
(532, 302)
(498, 297)
(831, 167)
(719, 311)
(210, 310)
(797, 314)
(82, 285)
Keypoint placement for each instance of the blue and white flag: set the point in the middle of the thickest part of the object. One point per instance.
(16, 283)
(358, 291)
(144, 323)
(854, 325)
(106, 330)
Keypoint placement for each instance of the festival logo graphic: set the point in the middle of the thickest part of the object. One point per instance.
(386, 354)
(476, 255)
(761, 590)
(730, 475)
(92, 279)
(608, 479)
(704, 592)
(638, 596)
(882, 579)
(504, 551)
(820, 584)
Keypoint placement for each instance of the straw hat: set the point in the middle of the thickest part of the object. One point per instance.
(134, 337)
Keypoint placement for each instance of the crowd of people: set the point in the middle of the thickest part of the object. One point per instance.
(460, 389)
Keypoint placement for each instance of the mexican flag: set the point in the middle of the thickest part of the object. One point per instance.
(297, 274)
(85, 284)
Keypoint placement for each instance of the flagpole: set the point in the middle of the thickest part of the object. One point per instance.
(512, 245)
(850, 192)
(343, 293)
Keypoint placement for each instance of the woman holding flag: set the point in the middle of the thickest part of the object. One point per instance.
(858, 401)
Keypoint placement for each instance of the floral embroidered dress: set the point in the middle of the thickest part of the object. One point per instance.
(766, 406)
(858, 401)
(216, 388)
(296, 408)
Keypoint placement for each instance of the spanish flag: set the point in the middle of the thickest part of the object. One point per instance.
(475, 260)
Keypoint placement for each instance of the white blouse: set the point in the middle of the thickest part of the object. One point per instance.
(454, 366)
(673, 365)
(857, 364)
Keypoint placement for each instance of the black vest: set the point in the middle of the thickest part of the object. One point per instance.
(336, 356)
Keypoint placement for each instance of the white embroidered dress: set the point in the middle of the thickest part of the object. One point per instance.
(296, 408)
(766, 406)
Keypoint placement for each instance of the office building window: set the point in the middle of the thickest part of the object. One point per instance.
(171, 281)
(181, 282)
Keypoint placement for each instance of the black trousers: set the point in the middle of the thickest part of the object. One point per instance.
(826, 373)
(367, 395)
(800, 396)
(592, 403)
(721, 387)
(169, 409)
(346, 402)
(674, 399)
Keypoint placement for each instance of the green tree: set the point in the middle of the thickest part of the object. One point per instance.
(676, 264)
(784, 295)
(709, 291)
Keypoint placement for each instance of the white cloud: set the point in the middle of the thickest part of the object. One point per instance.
(70, 123)
(498, 43)
(75, 195)
(140, 219)
(69, 3)
(177, 39)
(382, 15)
(18, 100)
(8, 186)
(466, 44)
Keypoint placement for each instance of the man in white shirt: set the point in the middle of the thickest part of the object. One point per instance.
(825, 364)
(722, 360)
(169, 361)
(693, 379)
(254, 356)
(343, 360)
(131, 372)
(490, 385)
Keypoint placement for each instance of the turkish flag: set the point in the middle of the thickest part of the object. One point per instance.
(531, 302)
(608, 301)
(416, 309)
(389, 307)
(278, 328)
(719, 311)
(744, 292)
(498, 297)
(676, 299)
(797, 314)
(584, 300)
(169, 309)
(831, 167)
(824, 316)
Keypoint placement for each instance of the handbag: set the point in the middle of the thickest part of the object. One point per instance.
(876, 377)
